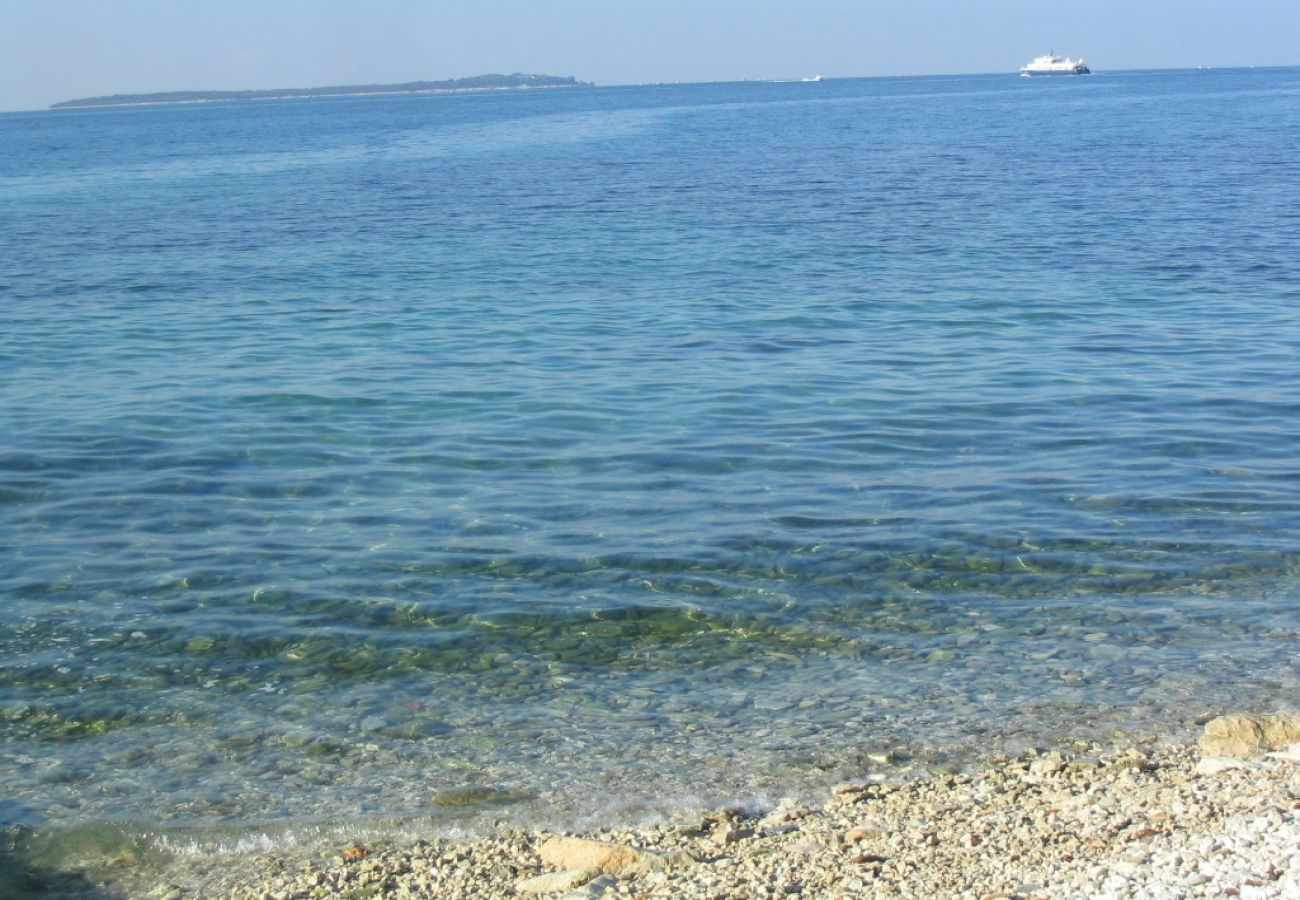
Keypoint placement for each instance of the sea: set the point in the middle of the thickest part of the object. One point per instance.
(410, 465)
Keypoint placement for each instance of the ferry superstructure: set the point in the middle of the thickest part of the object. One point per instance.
(1051, 64)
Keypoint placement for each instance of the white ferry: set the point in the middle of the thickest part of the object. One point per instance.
(1051, 64)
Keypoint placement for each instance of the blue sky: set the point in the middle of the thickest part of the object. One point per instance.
(54, 50)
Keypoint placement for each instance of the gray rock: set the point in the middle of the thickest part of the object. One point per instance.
(597, 887)
(553, 882)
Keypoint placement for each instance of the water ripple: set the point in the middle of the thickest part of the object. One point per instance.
(724, 435)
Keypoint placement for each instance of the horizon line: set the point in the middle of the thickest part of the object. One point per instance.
(579, 83)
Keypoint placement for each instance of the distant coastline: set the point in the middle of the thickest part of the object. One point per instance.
(517, 81)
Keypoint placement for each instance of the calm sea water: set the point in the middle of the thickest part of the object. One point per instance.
(550, 455)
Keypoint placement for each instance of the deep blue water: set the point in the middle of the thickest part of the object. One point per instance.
(599, 452)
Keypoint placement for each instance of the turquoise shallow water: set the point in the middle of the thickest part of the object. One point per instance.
(599, 452)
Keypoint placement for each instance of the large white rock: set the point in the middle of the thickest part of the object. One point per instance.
(577, 853)
(1244, 735)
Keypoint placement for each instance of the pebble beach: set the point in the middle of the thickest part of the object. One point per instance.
(1220, 818)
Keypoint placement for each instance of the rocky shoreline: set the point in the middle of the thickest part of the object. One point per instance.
(1221, 819)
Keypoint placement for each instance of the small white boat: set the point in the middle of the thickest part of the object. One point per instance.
(816, 78)
(1051, 64)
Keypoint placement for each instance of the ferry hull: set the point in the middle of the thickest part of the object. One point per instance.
(1084, 71)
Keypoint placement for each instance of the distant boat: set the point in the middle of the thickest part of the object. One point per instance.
(816, 78)
(1051, 64)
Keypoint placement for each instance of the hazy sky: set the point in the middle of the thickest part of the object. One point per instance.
(54, 50)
